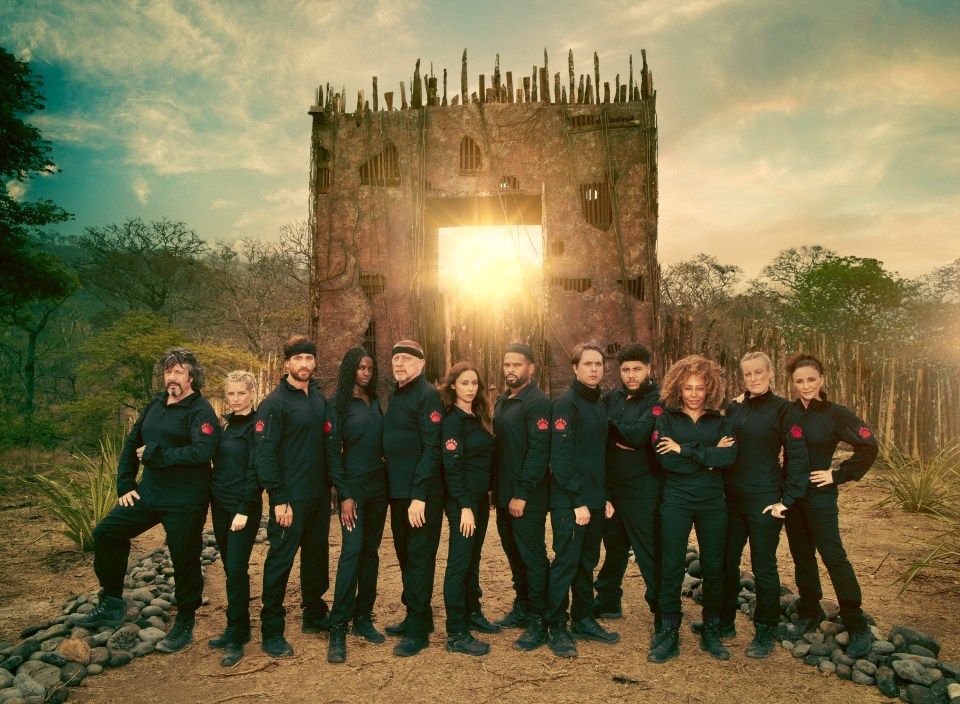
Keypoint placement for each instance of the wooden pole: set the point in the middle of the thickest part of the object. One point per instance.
(496, 79)
(510, 86)
(444, 87)
(463, 78)
(596, 74)
(376, 100)
(403, 96)
(570, 68)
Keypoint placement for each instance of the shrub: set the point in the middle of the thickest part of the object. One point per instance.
(81, 495)
(931, 485)
(943, 555)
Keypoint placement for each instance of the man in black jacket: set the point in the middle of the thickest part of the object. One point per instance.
(521, 422)
(174, 439)
(291, 466)
(411, 446)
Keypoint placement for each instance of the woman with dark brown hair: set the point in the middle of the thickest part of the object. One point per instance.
(813, 524)
(693, 441)
(466, 447)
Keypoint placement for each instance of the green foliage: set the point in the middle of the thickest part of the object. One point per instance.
(81, 495)
(930, 485)
(943, 556)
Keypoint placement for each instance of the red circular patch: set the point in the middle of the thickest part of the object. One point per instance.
(327, 427)
(451, 444)
(864, 432)
(796, 432)
(656, 434)
(542, 424)
(657, 410)
(435, 416)
(259, 426)
(206, 429)
(560, 424)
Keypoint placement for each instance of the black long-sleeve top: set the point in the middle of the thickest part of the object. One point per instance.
(179, 441)
(466, 449)
(355, 447)
(411, 440)
(234, 485)
(692, 476)
(289, 444)
(578, 449)
(634, 473)
(521, 424)
(826, 424)
(762, 426)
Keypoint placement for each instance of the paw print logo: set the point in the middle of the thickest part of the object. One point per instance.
(206, 429)
(655, 436)
(864, 432)
(657, 410)
(259, 426)
(542, 424)
(450, 444)
(796, 432)
(435, 416)
(327, 427)
(560, 424)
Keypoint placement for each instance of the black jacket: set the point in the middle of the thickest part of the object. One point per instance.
(466, 449)
(411, 440)
(234, 485)
(578, 449)
(633, 474)
(762, 426)
(355, 450)
(521, 424)
(826, 424)
(289, 444)
(692, 476)
(179, 441)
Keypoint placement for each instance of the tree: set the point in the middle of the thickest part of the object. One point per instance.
(701, 289)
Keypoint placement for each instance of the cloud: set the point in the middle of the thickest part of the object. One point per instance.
(142, 189)
(17, 189)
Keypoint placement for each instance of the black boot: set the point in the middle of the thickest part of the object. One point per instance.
(668, 645)
(337, 650)
(232, 654)
(657, 630)
(465, 643)
(710, 641)
(410, 645)
(316, 624)
(534, 636)
(726, 630)
(860, 643)
(479, 622)
(560, 642)
(517, 617)
(588, 629)
(277, 647)
(806, 623)
(110, 611)
(762, 644)
(179, 636)
(363, 627)
(224, 638)
(397, 629)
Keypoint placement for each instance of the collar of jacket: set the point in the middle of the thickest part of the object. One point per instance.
(762, 398)
(185, 401)
(414, 382)
(234, 419)
(521, 393)
(642, 390)
(592, 395)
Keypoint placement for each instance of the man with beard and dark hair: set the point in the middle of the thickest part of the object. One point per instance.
(521, 425)
(635, 483)
(411, 446)
(174, 439)
(291, 465)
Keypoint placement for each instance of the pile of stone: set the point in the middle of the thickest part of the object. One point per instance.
(903, 663)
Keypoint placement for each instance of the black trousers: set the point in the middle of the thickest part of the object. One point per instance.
(812, 524)
(746, 521)
(235, 548)
(461, 580)
(356, 586)
(309, 533)
(184, 529)
(417, 554)
(635, 522)
(710, 521)
(576, 554)
(524, 542)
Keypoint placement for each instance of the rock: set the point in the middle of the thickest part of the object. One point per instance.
(827, 667)
(953, 691)
(862, 678)
(935, 674)
(786, 644)
(80, 633)
(99, 656)
(912, 671)
(842, 639)
(48, 646)
(951, 670)
(920, 650)
(94, 669)
(12, 663)
(844, 672)
(73, 674)
(120, 658)
(882, 647)
(148, 611)
(917, 694)
(6, 679)
(919, 659)
(886, 682)
(801, 650)
(143, 594)
(36, 628)
(148, 577)
(841, 658)
(866, 667)
(151, 635)
(813, 637)
(163, 604)
(100, 639)
(124, 639)
(830, 628)
(55, 659)
(41, 672)
(693, 569)
(814, 660)
(830, 608)
(911, 636)
(75, 651)
(54, 631)
(785, 601)
(143, 648)
(10, 694)
(939, 688)
(821, 649)
(29, 686)
(158, 622)
(57, 696)
(132, 614)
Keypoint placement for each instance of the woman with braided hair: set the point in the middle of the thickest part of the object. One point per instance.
(693, 441)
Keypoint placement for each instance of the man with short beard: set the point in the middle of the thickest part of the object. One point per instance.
(521, 423)
(291, 465)
(174, 439)
(411, 446)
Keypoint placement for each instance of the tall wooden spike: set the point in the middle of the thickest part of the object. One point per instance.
(546, 77)
(616, 96)
(376, 100)
(463, 78)
(596, 74)
(580, 94)
(444, 87)
(403, 96)
(570, 66)
(416, 88)
(483, 89)
(533, 85)
(630, 84)
(556, 86)
(496, 79)
(510, 86)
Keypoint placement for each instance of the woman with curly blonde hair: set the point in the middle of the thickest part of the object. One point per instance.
(693, 441)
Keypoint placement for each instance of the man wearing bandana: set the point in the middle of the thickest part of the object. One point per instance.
(291, 465)
(411, 446)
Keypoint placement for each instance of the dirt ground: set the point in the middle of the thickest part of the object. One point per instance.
(37, 574)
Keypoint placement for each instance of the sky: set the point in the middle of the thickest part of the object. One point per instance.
(781, 123)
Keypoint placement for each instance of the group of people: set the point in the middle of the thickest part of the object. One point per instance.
(634, 468)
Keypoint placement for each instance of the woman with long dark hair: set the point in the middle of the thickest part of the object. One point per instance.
(693, 441)
(467, 450)
(355, 459)
(813, 524)
(236, 504)
(760, 491)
